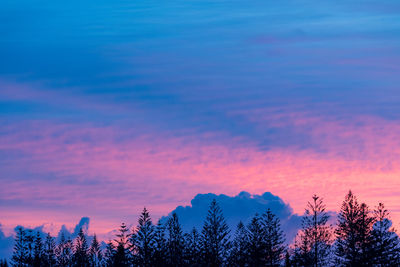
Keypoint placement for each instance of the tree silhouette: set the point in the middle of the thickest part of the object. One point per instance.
(81, 257)
(256, 246)
(109, 255)
(29, 241)
(192, 252)
(315, 235)
(64, 251)
(215, 237)
(385, 242)
(275, 239)
(20, 251)
(95, 256)
(353, 233)
(49, 251)
(175, 241)
(143, 240)
(238, 255)
(160, 246)
(38, 254)
(122, 257)
(363, 238)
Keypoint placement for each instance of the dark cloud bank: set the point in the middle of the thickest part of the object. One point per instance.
(237, 208)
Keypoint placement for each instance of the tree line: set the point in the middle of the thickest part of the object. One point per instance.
(361, 237)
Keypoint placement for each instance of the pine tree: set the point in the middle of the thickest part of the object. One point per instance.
(256, 242)
(175, 242)
(81, 257)
(64, 252)
(275, 239)
(238, 255)
(95, 256)
(302, 247)
(29, 241)
(215, 237)
(38, 254)
(109, 255)
(144, 240)
(20, 250)
(385, 241)
(122, 257)
(160, 246)
(49, 251)
(315, 236)
(192, 248)
(353, 233)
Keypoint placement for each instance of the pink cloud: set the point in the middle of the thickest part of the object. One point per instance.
(109, 174)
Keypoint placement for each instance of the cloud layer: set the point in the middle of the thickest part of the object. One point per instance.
(109, 107)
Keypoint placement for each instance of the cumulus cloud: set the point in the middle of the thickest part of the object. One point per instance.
(241, 207)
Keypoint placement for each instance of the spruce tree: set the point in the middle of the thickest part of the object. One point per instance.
(81, 257)
(275, 239)
(215, 237)
(385, 241)
(95, 255)
(20, 249)
(353, 233)
(144, 240)
(238, 255)
(192, 252)
(49, 251)
(175, 242)
(315, 235)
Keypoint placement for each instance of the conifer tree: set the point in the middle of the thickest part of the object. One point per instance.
(215, 237)
(122, 257)
(275, 239)
(353, 233)
(38, 254)
(49, 251)
(95, 256)
(256, 242)
(315, 235)
(20, 250)
(64, 251)
(238, 255)
(385, 241)
(109, 255)
(192, 252)
(143, 241)
(81, 257)
(160, 246)
(175, 241)
(29, 241)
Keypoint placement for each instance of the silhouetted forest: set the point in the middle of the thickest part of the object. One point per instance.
(360, 237)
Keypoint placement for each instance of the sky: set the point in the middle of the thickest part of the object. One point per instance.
(110, 106)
